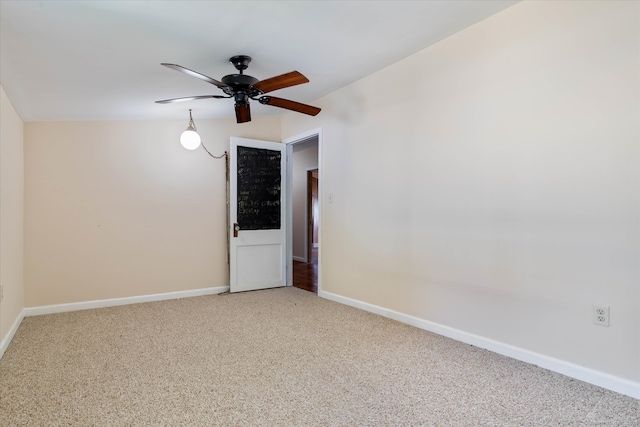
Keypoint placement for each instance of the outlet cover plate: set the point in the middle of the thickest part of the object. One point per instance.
(601, 315)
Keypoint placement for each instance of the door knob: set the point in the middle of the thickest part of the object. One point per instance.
(236, 228)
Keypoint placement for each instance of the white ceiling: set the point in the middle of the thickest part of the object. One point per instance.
(100, 60)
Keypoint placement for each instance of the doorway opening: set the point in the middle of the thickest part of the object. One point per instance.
(305, 240)
(305, 272)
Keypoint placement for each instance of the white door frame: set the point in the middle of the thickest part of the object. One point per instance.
(290, 142)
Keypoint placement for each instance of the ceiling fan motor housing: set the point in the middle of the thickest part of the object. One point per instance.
(240, 83)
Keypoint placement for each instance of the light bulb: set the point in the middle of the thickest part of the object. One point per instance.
(190, 139)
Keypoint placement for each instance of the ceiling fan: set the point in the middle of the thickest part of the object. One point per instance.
(242, 87)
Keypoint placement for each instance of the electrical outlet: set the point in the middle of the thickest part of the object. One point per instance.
(601, 315)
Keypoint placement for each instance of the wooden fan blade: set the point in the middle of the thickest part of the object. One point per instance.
(194, 74)
(190, 98)
(289, 105)
(243, 113)
(279, 82)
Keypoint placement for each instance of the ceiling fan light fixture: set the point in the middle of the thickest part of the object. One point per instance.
(190, 138)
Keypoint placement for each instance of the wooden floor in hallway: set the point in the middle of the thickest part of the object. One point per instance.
(305, 274)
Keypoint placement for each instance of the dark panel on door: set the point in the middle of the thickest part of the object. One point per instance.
(259, 187)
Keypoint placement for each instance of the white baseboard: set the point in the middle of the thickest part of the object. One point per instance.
(113, 302)
(299, 258)
(601, 379)
(87, 305)
(7, 339)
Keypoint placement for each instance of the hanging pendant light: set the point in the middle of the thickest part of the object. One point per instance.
(190, 138)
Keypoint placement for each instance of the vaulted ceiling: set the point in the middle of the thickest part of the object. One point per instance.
(100, 60)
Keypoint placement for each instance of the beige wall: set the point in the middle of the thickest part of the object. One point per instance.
(11, 215)
(119, 209)
(305, 158)
(493, 187)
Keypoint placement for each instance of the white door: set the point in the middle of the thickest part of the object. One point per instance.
(257, 238)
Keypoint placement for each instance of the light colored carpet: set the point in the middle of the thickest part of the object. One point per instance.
(281, 357)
